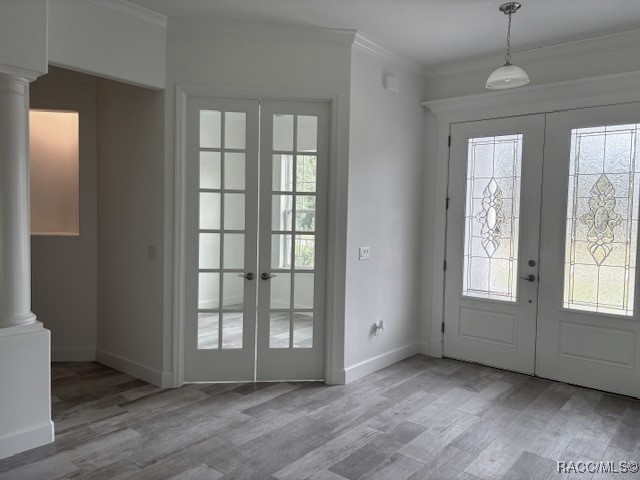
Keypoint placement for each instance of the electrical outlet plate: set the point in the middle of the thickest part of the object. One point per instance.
(364, 252)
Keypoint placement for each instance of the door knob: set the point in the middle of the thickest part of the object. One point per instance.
(248, 276)
(529, 278)
(267, 276)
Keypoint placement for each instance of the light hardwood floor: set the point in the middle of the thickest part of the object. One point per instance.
(422, 418)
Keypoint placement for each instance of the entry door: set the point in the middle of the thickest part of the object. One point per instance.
(588, 318)
(255, 230)
(492, 242)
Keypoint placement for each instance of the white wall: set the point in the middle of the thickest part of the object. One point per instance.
(385, 212)
(64, 268)
(23, 37)
(130, 218)
(108, 38)
(268, 65)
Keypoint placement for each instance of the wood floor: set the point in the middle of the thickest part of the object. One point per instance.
(422, 418)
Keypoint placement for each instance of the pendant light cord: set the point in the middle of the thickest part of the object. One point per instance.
(507, 57)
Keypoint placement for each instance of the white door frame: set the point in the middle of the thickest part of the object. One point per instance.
(336, 221)
(567, 95)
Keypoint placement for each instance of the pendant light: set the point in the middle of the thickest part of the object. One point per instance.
(508, 76)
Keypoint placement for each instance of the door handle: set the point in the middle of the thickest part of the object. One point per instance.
(529, 278)
(248, 276)
(267, 276)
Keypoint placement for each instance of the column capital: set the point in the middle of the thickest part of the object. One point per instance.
(19, 73)
(13, 84)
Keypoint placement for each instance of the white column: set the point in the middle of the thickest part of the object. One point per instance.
(15, 241)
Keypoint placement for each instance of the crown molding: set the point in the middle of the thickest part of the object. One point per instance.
(203, 28)
(570, 94)
(365, 44)
(130, 12)
(605, 43)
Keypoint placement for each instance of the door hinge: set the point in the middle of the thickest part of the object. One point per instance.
(447, 206)
(449, 141)
(444, 265)
(442, 327)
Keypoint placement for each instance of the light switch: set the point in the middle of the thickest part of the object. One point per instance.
(364, 253)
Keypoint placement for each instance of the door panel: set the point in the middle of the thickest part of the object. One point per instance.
(294, 168)
(221, 222)
(492, 241)
(588, 323)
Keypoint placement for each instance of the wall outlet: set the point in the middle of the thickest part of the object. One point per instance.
(378, 328)
(363, 253)
(152, 252)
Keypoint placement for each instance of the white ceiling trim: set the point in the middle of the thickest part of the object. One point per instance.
(368, 46)
(131, 12)
(187, 27)
(604, 43)
(570, 94)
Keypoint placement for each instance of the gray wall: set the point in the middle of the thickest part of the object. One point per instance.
(64, 269)
(385, 210)
(130, 218)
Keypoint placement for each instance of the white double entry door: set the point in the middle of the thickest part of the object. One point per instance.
(255, 235)
(542, 243)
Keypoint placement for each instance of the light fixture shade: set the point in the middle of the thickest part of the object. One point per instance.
(507, 76)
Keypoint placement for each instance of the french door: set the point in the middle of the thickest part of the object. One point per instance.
(255, 221)
(542, 244)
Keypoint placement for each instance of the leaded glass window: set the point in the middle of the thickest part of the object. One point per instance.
(492, 215)
(602, 226)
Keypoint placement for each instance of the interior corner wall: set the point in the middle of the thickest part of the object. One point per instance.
(385, 212)
(64, 268)
(130, 219)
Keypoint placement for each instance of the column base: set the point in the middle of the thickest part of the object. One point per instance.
(8, 321)
(25, 388)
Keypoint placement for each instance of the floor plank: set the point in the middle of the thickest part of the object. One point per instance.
(422, 418)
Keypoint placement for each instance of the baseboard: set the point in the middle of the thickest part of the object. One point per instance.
(82, 354)
(423, 348)
(378, 362)
(130, 367)
(26, 439)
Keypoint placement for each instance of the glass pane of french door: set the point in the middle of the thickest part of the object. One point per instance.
(294, 166)
(221, 221)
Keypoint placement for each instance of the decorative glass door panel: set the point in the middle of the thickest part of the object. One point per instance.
(492, 216)
(602, 220)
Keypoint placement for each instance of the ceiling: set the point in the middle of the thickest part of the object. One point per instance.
(433, 32)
